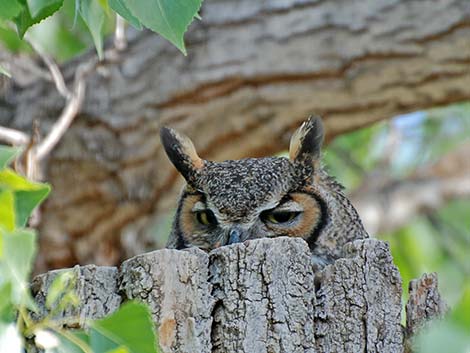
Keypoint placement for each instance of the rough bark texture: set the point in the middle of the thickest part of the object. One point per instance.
(362, 315)
(254, 69)
(263, 296)
(96, 287)
(176, 286)
(424, 304)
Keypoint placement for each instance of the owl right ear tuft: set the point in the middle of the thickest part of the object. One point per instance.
(181, 152)
(306, 142)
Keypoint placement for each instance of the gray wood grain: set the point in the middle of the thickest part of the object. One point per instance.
(261, 296)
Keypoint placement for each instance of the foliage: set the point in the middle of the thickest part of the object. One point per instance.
(169, 18)
(436, 242)
(130, 329)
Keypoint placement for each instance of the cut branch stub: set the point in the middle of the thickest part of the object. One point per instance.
(424, 303)
(175, 286)
(265, 297)
(260, 296)
(95, 286)
(359, 303)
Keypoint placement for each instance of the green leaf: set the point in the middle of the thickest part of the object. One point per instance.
(37, 6)
(25, 20)
(7, 211)
(26, 202)
(7, 154)
(169, 18)
(120, 7)
(442, 336)
(121, 349)
(27, 194)
(10, 9)
(19, 248)
(93, 15)
(131, 326)
(10, 40)
(55, 36)
(461, 311)
(7, 310)
(101, 343)
(67, 346)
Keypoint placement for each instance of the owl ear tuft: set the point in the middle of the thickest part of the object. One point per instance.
(181, 152)
(306, 142)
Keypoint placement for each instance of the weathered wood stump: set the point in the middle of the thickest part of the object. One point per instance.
(260, 296)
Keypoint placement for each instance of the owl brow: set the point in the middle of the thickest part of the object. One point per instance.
(291, 206)
(273, 204)
(199, 206)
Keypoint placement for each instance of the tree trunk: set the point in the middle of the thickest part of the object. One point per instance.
(254, 69)
(263, 296)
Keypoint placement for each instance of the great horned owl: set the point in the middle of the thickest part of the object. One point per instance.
(238, 200)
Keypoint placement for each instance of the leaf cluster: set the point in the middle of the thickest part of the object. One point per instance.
(128, 330)
(168, 18)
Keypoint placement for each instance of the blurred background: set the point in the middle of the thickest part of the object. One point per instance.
(391, 80)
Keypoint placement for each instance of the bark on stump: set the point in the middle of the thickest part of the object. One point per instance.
(262, 296)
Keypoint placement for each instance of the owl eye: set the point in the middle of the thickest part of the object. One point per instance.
(277, 217)
(206, 218)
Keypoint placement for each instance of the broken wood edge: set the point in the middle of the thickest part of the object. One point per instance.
(185, 314)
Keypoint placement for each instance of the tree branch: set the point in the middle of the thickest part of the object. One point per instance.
(387, 205)
(13, 137)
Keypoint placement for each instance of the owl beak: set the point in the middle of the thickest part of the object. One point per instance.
(235, 236)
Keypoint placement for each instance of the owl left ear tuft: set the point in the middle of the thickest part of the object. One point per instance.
(306, 142)
(182, 153)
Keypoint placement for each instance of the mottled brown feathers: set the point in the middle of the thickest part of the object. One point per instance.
(261, 197)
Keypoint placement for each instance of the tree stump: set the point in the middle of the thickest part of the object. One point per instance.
(261, 296)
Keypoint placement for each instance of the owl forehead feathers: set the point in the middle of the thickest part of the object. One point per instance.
(241, 186)
(236, 187)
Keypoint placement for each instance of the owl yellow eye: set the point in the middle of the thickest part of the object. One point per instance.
(277, 217)
(206, 218)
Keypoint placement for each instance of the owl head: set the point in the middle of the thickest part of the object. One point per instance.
(237, 200)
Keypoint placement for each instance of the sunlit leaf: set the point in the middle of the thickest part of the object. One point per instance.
(10, 40)
(131, 326)
(10, 339)
(27, 194)
(7, 211)
(10, 9)
(121, 349)
(55, 36)
(27, 201)
(6, 155)
(169, 18)
(461, 312)
(93, 15)
(104, 5)
(19, 249)
(37, 6)
(442, 336)
(68, 346)
(25, 20)
(120, 7)
(7, 311)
